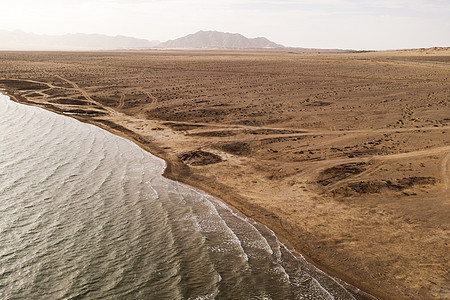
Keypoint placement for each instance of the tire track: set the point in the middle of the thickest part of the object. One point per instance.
(154, 99)
(86, 95)
(121, 101)
(445, 172)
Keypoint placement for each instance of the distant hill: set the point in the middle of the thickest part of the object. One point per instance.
(216, 39)
(19, 40)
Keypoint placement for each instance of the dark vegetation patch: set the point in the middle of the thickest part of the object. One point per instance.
(367, 149)
(34, 95)
(364, 152)
(97, 107)
(434, 58)
(272, 131)
(83, 112)
(136, 137)
(236, 148)
(118, 127)
(22, 84)
(340, 172)
(108, 101)
(188, 114)
(69, 101)
(199, 158)
(319, 103)
(223, 133)
(362, 187)
(413, 181)
(268, 141)
(57, 92)
(255, 121)
(182, 126)
(374, 187)
(48, 106)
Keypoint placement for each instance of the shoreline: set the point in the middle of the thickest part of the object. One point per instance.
(178, 171)
(352, 170)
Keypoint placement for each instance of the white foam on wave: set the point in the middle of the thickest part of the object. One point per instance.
(227, 228)
(212, 202)
(204, 223)
(294, 255)
(205, 297)
(263, 243)
(156, 194)
(321, 288)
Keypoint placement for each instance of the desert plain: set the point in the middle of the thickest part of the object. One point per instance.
(345, 156)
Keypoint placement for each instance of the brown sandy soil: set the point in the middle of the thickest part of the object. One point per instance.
(346, 156)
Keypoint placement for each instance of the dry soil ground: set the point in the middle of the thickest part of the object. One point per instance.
(346, 156)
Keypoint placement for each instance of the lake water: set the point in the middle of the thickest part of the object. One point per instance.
(85, 214)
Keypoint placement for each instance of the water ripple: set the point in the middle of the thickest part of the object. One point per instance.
(87, 215)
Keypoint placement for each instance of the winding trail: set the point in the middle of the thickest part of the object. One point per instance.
(154, 99)
(86, 95)
(445, 172)
(121, 101)
(432, 151)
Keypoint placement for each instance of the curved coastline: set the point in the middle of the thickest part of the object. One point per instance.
(176, 170)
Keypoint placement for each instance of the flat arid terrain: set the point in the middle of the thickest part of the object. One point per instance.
(345, 156)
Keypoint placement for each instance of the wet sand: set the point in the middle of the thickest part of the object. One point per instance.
(345, 156)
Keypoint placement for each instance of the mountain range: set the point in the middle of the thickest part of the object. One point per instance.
(20, 40)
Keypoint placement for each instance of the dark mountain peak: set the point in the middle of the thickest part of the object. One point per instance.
(217, 39)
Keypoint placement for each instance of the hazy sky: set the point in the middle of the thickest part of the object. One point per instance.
(374, 24)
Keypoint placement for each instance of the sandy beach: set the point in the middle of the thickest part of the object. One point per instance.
(345, 156)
